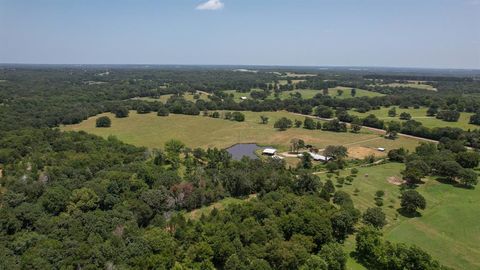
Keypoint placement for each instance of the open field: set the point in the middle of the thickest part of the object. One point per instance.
(310, 93)
(153, 131)
(164, 98)
(285, 82)
(420, 115)
(197, 213)
(412, 84)
(450, 220)
(291, 74)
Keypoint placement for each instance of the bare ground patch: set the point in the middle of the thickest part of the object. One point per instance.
(395, 180)
(361, 152)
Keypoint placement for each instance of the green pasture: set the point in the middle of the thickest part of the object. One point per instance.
(164, 98)
(448, 228)
(153, 131)
(420, 115)
(310, 93)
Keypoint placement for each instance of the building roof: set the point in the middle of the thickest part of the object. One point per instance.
(318, 157)
(269, 151)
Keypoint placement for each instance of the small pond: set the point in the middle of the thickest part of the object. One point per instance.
(244, 149)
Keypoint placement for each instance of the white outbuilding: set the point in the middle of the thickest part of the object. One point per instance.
(269, 151)
(318, 157)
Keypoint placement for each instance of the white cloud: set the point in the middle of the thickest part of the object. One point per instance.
(211, 5)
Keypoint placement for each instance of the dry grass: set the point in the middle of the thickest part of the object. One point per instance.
(360, 152)
(153, 131)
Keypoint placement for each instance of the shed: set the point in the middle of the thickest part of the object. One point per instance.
(243, 98)
(269, 151)
(318, 157)
(381, 149)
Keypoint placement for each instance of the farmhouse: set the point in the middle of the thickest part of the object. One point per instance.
(243, 98)
(269, 151)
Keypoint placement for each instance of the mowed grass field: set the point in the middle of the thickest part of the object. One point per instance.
(449, 227)
(153, 131)
(420, 115)
(310, 93)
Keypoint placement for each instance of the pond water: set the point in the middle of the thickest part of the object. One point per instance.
(243, 149)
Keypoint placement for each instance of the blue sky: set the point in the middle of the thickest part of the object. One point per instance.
(398, 33)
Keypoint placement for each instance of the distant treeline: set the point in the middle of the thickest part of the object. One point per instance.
(417, 78)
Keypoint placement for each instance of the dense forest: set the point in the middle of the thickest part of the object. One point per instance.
(71, 200)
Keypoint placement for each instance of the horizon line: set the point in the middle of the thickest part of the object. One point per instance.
(242, 65)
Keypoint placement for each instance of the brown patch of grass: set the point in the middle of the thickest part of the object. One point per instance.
(360, 152)
(395, 180)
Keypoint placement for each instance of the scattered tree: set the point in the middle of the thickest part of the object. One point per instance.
(392, 112)
(375, 217)
(411, 200)
(298, 123)
(163, 111)
(283, 124)
(308, 123)
(121, 112)
(264, 119)
(405, 116)
(469, 178)
(103, 122)
(353, 92)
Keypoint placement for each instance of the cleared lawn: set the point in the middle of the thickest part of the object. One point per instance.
(448, 229)
(310, 93)
(420, 115)
(153, 131)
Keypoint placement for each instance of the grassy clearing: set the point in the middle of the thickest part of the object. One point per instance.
(291, 74)
(310, 93)
(285, 82)
(420, 115)
(153, 131)
(450, 220)
(413, 84)
(197, 213)
(164, 98)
